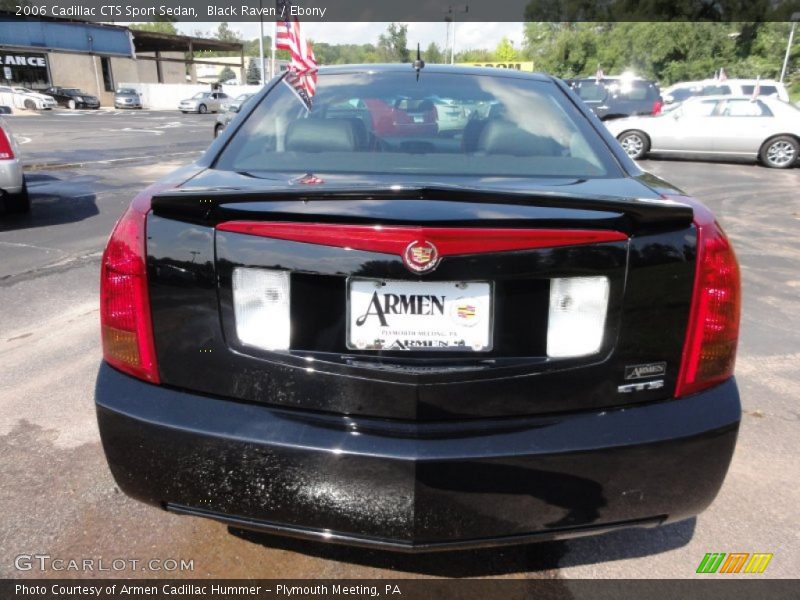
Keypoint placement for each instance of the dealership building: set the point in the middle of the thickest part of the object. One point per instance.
(40, 53)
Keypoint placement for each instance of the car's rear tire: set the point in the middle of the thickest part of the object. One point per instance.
(202, 109)
(218, 129)
(30, 105)
(18, 203)
(780, 152)
(71, 104)
(635, 143)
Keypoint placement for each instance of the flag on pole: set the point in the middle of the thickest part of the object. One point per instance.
(302, 74)
(756, 89)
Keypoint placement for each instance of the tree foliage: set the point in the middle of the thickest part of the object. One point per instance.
(393, 45)
(505, 51)
(155, 27)
(667, 52)
(224, 33)
(253, 73)
(433, 54)
(226, 74)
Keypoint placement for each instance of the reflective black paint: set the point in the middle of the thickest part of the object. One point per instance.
(412, 486)
(190, 268)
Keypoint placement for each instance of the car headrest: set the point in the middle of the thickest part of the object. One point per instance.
(321, 135)
(359, 130)
(503, 137)
(497, 111)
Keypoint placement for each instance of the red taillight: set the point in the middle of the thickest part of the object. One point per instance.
(6, 151)
(657, 106)
(709, 351)
(124, 300)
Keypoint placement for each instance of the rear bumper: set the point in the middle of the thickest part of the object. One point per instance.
(416, 486)
(11, 177)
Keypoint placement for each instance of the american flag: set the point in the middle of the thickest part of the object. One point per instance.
(756, 90)
(302, 74)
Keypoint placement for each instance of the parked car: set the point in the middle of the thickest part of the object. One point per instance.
(229, 111)
(127, 98)
(13, 189)
(728, 87)
(617, 97)
(364, 336)
(203, 102)
(764, 129)
(73, 98)
(20, 97)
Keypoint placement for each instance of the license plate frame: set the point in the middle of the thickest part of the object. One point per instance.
(476, 299)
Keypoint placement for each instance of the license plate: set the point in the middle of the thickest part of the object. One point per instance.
(419, 315)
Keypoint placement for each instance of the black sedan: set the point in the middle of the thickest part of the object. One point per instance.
(344, 324)
(73, 98)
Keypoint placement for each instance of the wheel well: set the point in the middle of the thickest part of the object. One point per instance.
(777, 135)
(644, 133)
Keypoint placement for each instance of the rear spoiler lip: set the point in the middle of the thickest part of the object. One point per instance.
(202, 205)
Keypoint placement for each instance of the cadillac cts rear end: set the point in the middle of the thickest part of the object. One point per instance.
(346, 322)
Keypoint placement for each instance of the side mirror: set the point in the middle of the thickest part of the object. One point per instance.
(233, 109)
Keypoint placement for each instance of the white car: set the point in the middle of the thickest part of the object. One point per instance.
(729, 87)
(13, 191)
(20, 97)
(764, 129)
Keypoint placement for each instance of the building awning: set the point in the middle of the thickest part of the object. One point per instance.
(65, 36)
(149, 41)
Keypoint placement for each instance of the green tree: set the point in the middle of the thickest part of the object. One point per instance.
(433, 54)
(505, 51)
(393, 45)
(253, 73)
(155, 27)
(225, 34)
(475, 56)
(226, 74)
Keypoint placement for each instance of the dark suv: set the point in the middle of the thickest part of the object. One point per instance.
(615, 97)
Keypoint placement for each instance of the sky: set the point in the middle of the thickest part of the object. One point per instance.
(468, 35)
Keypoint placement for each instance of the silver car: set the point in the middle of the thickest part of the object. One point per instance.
(203, 102)
(765, 129)
(13, 191)
(127, 98)
(229, 111)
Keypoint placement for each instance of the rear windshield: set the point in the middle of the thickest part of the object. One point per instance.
(442, 124)
(763, 90)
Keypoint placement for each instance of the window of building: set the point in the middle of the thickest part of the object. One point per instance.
(108, 77)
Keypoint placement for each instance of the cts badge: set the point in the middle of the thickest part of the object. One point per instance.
(421, 256)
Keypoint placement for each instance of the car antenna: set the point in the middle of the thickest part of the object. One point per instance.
(419, 64)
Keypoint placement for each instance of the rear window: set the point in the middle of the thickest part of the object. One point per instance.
(443, 124)
(745, 108)
(634, 90)
(764, 90)
(592, 91)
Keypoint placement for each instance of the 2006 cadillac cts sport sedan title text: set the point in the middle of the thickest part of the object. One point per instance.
(344, 324)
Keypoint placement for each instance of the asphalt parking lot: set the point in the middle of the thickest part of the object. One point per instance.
(58, 497)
